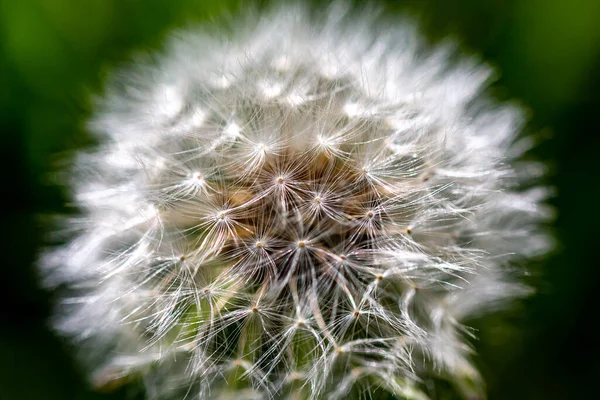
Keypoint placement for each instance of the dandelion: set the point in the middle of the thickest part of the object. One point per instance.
(308, 208)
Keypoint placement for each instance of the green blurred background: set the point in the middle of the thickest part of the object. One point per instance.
(55, 53)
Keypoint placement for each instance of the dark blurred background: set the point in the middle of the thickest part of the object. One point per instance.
(55, 53)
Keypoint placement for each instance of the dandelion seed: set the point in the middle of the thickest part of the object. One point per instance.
(314, 215)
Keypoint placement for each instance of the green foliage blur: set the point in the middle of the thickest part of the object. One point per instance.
(54, 55)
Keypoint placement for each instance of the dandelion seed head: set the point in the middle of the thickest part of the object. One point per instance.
(312, 206)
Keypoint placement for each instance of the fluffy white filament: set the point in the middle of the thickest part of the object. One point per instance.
(305, 207)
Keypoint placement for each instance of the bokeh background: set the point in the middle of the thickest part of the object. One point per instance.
(54, 55)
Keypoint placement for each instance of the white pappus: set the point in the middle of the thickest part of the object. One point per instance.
(302, 206)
